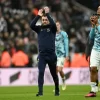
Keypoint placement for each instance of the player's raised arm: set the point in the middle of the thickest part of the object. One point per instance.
(34, 21)
(52, 23)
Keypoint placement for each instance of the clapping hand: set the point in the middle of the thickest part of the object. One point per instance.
(46, 9)
(40, 12)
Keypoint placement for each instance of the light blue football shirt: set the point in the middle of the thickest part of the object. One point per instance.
(61, 44)
(95, 35)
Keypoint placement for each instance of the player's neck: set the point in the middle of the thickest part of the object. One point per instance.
(58, 31)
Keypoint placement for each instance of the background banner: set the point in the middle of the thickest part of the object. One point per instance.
(29, 76)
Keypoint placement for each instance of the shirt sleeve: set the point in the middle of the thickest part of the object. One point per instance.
(98, 27)
(33, 24)
(52, 23)
(66, 43)
(92, 33)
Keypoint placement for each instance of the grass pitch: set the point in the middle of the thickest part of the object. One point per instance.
(73, 92)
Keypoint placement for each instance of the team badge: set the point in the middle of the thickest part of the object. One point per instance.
(48, 30)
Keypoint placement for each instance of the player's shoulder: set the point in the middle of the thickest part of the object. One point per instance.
(64, 33)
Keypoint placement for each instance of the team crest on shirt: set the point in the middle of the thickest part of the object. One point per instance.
(41, 29)
(48, 30)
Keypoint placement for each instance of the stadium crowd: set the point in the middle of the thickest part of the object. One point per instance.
(18, 43)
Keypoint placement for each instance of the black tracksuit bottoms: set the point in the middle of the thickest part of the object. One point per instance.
(51, 60)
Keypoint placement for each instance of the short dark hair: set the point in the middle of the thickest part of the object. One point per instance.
(57, 21)
(44, 15)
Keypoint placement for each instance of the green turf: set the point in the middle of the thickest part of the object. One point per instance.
(28, 93)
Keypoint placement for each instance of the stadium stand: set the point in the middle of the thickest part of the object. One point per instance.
(15, 17)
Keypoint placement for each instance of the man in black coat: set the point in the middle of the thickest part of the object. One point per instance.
(46, 40)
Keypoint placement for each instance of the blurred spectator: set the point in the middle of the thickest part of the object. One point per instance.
(16, 15)
(12, 48)
(20, 59)
(5, 58)
(5, 4)
(38, 3)
(3, 24)
(78, 60)
(16, 4)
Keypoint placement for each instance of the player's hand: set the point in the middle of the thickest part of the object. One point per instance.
(95, 19)
(46, 9)
(92, 21)
(40, 12)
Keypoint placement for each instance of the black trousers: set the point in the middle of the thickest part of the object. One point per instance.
(51, 60)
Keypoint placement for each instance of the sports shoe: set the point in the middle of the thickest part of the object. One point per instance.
(97, 88)
(63, 86)
(91, 94)
(53, 90)
(57, 93)
(39, 94)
